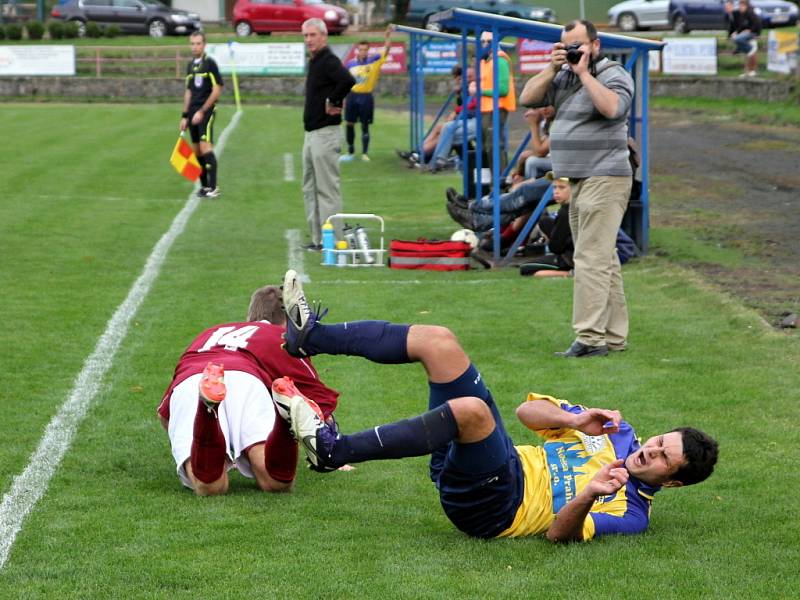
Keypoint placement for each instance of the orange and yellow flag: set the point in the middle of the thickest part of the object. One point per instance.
(184, 160)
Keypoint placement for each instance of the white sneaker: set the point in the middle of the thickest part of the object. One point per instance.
(751, 73)
(305, 420)
(211, 193)
(365, 158)
(346, 158)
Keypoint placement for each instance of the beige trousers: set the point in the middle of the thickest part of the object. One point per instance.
(321, 194)
(599, 311)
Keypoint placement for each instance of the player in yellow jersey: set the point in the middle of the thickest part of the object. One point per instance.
(590, 477)
(360, 103)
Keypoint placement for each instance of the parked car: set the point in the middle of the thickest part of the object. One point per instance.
(131, 16)
(686, 15)
(266, 16)
(633, 15)
(419, 11)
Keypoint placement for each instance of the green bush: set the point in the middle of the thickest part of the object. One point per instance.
(56, 29)
(13, 31)
(93, 30)
(35, 30)
(2, 32)
(71, 30)
(112, 31)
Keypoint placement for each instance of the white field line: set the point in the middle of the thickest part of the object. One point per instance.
(288, 166)
(296, 254)
(30, 485)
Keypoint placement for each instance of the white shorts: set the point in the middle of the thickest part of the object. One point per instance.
(246, 417)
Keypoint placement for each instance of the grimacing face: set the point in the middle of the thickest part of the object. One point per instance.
(362, 51)
(658, 459)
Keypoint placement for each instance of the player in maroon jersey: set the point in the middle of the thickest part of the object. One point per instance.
(208, 436)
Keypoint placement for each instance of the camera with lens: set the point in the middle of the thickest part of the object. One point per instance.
(574, 53)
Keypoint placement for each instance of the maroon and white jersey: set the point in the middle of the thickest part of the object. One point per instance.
(255, 348)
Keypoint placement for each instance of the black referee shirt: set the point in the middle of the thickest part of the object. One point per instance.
(327, 78)
(201, 76)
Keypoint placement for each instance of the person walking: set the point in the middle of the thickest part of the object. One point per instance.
(327, 84)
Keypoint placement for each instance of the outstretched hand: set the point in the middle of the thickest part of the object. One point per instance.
(598, 421)
(608, 480)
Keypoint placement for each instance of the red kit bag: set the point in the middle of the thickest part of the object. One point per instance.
(430, 255)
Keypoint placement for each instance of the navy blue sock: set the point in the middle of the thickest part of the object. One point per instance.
(350, 133)
(469, 383)
(365, 137)
(417, 436)
(378, 341)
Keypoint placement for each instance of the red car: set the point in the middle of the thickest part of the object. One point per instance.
(266, 16)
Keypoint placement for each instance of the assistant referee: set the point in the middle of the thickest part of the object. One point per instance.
(203, 89)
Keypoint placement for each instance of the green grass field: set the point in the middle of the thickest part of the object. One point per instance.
(88, 192)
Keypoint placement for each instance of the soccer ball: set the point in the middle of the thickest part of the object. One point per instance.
(465, 235)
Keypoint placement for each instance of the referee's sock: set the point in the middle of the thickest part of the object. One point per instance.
(210, 168)
(417, 436)
(378, 341)
(208, 445)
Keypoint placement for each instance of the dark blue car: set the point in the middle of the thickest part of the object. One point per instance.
(687, 15)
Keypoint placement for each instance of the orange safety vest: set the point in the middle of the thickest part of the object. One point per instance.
(507, 102)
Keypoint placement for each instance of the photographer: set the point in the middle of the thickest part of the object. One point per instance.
(589, 145)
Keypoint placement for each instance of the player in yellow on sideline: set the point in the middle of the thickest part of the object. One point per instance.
(360, 103)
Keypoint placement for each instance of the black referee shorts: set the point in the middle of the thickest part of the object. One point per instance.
(203, 131)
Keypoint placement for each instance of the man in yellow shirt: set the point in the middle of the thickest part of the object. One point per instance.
(591, 476)
(360, 103)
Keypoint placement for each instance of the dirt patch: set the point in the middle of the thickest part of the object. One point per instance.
(736, 185)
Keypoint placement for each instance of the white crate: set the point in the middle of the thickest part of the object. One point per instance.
(352, 256)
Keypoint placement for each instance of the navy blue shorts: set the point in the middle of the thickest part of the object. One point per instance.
(359, 108)
(481, 485)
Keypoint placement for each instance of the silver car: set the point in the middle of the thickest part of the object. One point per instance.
(639, 14)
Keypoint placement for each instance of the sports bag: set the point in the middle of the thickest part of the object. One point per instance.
(430, 255)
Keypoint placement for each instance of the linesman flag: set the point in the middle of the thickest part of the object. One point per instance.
(184, 160)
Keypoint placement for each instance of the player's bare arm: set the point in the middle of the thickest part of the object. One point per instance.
(568, 523)
(543, 414)
(187, 96)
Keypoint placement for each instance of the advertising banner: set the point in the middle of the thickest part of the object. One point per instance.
(534, 56)
(260, 59)
(37, 60)
(690, 56)
(439, 56)
(782, 47)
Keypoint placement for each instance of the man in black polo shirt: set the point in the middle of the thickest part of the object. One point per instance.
(327, 83)
(203, 88)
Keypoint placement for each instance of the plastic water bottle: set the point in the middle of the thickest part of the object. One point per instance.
(349, 236)
(363, 245)
(328, 244)
(341, 257)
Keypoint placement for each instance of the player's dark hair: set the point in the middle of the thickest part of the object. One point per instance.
(591, 30)
(363, 43)
(265, 304)
(200, 34)
(700, 451)
(456, 71)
